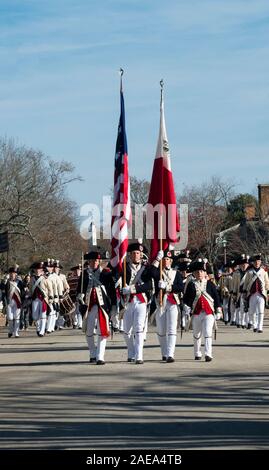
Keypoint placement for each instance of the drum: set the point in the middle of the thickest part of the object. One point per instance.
(67, 306)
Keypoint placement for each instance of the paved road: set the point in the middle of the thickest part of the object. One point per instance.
(52, 398)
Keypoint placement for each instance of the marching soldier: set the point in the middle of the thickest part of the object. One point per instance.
(136, 295)
(256, 287)
(63, 288)
(92, 293)
(202, 300)
(73, 280)
(42, 297)
(171, 286)
(225, 289)
(14, 292)
(183, 268)
(237, 284)
(54, 305)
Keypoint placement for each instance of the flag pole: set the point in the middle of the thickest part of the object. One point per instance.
(121, 72)
(161, 215)
(82, 272)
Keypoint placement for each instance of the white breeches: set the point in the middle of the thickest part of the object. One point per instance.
(203, 326)
(96, 351)
(166, 320)
(133, 326)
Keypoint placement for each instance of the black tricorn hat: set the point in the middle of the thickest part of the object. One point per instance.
(257, 257)
(184, 257)
(57, 264)
(137, 247)
(168, 254)
(75, 268)
(49, 263)
(92, 255)
(242, 259)
(37, 265)
(198, 265)
(13, 269)
(183, 266)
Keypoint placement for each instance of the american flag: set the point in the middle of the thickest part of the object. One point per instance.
(121, 212)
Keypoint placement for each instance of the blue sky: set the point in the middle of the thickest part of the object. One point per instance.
(59, 86)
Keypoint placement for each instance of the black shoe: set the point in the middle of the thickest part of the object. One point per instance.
(254, 329)
(74, 327)
(238, 326)
(226, 322)
(233, 323)
(170, 359)
(208, 358)
(100, 363)
(130, 359)
(243, 326)
(10, 335)
(259, 331)
(139, 361)
(249, 326)
(92, 359)
(164, 358)
(115, 329)
(198, 358)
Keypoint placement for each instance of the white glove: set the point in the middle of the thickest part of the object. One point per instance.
(162, 284)
(126, 290)
(80, 297)
(218, 313)
(186, 310)
(159, 255)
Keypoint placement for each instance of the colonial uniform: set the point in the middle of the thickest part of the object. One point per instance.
(225, 290)
(42, 298)
(202, 299)
(63, 288)
(136, 295)
(167, 313)
(14, 292)
(95, 298)
(54, 305)
(256, 287)
(73, 280)
(241, 308)
(183, 268)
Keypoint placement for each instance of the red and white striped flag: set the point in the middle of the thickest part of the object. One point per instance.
(121, 211)
(162, 193)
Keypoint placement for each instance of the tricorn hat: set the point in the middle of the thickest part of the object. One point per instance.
(13, 269)
(168, 254)
(137, 246)
(37, 265)
(57, 264)
(183, 266)
(198, 265)
(257, 257)
(75, 268)
(92, 255)
(242, 259)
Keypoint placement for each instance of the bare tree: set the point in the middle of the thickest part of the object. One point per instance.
(40, 219)
(207, 212)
